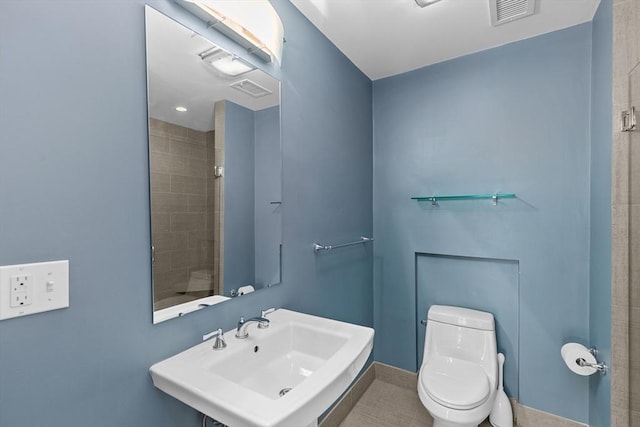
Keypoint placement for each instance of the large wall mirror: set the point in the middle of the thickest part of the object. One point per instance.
(215, 165)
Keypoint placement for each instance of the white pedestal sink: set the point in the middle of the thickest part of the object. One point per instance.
(286, 375)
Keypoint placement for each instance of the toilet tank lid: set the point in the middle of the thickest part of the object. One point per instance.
(459, 316)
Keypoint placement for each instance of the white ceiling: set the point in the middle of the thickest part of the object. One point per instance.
(388, 37)
(178, 77)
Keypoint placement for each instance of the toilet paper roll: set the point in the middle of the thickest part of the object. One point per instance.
(245, 289)
(572, 352)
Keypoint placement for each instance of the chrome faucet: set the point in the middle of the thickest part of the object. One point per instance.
(241, 331)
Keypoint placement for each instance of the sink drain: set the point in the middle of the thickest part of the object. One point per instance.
(284, 391)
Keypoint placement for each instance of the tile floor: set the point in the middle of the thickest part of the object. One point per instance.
(387, 405)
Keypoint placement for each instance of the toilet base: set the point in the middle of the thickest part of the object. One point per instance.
(442, 423)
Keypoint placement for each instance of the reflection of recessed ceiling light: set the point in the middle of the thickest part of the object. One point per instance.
(181, 109)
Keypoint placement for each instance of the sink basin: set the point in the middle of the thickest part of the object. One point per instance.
(285, 375)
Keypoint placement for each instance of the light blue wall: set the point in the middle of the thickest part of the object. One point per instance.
(600, 265)
(74, 185)
(239, 200)
(253, 175)
(268, 185)
(327, 177)
(510, 119)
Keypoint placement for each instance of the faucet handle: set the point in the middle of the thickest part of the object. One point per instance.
(213, 334)
(263, 313)
(219, 343)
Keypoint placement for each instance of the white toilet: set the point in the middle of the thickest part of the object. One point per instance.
(458, 378)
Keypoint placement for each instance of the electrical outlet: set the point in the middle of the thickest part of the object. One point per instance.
(32, 288)
(21, 290)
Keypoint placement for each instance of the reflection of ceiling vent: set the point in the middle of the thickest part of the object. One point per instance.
(503, 11)
(251, 88)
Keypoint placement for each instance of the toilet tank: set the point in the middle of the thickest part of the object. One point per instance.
(461, 333)
(464, 317)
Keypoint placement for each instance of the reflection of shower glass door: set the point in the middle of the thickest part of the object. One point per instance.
(633, 139)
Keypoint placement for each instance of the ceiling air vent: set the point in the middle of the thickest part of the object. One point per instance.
(251, 88)
(503, 11)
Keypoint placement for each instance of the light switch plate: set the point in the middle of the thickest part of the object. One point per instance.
(33, 288)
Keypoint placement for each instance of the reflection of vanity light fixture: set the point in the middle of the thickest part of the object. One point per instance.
(255, 24)
(181, 109)
(224, 62)
(425, 3)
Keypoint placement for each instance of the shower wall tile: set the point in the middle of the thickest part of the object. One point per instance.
(184, 258)
(170, 241)
(159, 128)
(187, 221)
(620, 154)
(159, 144)
(168, 202)
(197, 167)
(179, 181)
(196, 136)
(177, 132)
(174, 278)
(160, 223)
(199, 240)
(619, 393)
(634, 91)
(621, 37)
(168, 163)
(619, 416)
(634, 252)
(620, 341)
(160, 182)
(634, 168)
(621, 95)
(197, 203)
(219, 111)
(187, 149)
(626, 232)
(634, 359)
(633, 44)
(620, 255)
(188, 184)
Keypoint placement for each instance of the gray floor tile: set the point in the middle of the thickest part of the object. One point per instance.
(387, 405)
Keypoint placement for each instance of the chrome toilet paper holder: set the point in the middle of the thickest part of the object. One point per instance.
(599, 366)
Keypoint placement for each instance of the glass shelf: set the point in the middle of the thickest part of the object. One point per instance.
(494, 196)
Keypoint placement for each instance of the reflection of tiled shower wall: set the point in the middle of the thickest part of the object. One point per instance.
(181, 204)
(217, 195)
(625, 382)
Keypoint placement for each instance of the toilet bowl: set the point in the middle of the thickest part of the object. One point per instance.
(457, 382)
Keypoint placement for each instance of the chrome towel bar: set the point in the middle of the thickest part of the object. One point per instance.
(317, 247)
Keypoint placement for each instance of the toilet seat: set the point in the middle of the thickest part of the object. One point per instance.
(455, 383)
